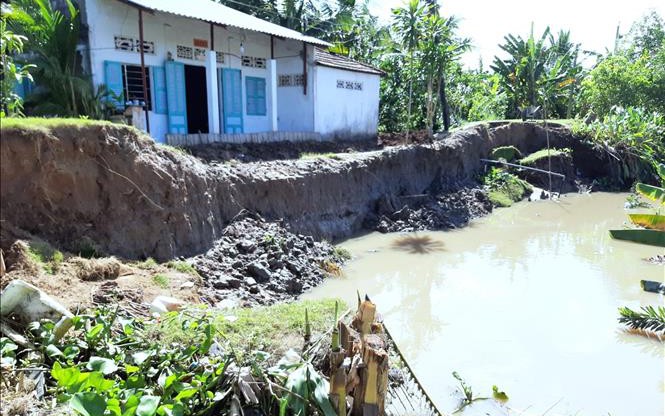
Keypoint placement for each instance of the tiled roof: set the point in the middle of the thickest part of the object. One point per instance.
(213, 12)
(324, 58)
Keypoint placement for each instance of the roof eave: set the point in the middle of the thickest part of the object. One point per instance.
(371, 71)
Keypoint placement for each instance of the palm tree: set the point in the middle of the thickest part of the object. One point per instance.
(408, 22)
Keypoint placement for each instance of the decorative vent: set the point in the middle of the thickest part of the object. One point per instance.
(260, 63)
(290, 80)
(253, 61)
(220, 57)
(199, 54)
(350, 85)
(129, 44)
(124, 43)
(285, 81)
(185, 52)
(148, 46)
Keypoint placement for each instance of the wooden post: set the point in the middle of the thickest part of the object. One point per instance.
(143, 79)
(272, 47)
(304, 68)
(212, 37)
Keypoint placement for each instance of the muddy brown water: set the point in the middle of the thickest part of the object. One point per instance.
(525, 299)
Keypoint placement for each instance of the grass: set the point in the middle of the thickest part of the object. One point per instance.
(508, 153)
(147, 264)
(541, 154)
(46, 257)
(42, 123)
(273, 329)
(505, 188)
(330, 155)
(175, 149)
(161, 281)
(182, 267)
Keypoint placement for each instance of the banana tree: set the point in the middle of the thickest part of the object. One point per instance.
(653, 231)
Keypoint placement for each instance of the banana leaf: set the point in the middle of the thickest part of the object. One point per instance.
(652, 192)
(650, 221)
(650, 237)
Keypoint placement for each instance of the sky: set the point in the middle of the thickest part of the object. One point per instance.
(592, 23)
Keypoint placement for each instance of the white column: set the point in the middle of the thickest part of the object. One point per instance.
(213, 92)
(272, 70)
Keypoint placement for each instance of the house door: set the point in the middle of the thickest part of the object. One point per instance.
(175, 97)
(196, 93)
(232, 99)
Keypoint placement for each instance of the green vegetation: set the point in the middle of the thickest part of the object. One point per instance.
(46, 124)
(161, 280)
(183, 365)
(175, 149)
(44, 255)
(507, 153)
(543, 154)
(308, 155)
(271, 329)
(504, 188)
(649, 319)
(341, 254)
(182, 267)
(147, 264)
(11, 44)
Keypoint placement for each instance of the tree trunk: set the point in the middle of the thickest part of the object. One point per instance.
(444, 103)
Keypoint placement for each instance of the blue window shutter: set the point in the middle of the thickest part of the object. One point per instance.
(175, 97)
(113, 79)
(232, 99)
(255, 89)
(159, 90)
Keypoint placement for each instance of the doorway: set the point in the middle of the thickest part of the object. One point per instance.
(197, 99)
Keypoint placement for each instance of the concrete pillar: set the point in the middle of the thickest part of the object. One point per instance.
(213, 92)
(272, 70)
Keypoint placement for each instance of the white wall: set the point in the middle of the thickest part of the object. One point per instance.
(343, 113)
(107, 18)
(295, 110)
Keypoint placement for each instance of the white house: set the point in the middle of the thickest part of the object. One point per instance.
(214, 71)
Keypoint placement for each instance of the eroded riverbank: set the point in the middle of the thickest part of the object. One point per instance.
(525, 299)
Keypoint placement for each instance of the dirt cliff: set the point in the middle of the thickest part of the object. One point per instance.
(113, 186)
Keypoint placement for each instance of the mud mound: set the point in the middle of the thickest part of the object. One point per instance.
(259, 262)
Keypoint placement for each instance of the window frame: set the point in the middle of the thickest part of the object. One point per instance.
(253, 103)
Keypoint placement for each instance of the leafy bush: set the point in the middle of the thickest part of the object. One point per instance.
(185, 364)
(635, 131)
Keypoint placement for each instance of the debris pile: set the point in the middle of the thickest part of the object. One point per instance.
(429, 212)
(259, 262)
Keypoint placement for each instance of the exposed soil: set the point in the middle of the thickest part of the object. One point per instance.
(258, 262)
(80, 283)
(257, 152)
(115, 190)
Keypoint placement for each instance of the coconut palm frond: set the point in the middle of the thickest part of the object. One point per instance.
(649, 319)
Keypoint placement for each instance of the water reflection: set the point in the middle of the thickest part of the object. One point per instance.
(527, 299)
(417, 244)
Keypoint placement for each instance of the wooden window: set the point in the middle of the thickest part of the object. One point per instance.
(255, 90)
(133, 84)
